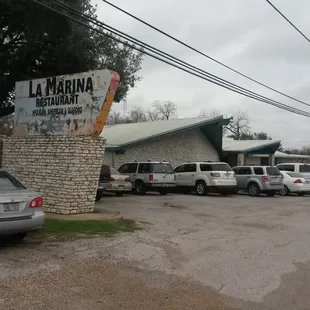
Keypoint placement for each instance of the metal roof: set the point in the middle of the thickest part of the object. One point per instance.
(278, 154)
(230, 145)
(124, 134)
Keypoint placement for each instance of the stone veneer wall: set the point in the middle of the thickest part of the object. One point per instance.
(64, 169)
(177, 149)
(1, 149)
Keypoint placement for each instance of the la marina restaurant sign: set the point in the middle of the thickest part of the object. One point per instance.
(76, 104)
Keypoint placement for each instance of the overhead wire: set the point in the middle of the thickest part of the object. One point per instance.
(277, 10)
(204, 54)
(144, 46)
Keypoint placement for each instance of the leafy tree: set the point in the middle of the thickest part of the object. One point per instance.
(36, 42)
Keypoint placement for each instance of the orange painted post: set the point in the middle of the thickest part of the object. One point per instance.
(106, 107)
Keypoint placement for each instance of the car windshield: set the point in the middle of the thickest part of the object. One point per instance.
(304, 168)
(295, 175)
(8, 182)
(161, 168)
(114, 171)
(273, 171)
(215, 167)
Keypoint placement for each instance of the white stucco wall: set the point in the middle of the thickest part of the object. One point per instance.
(178, 148)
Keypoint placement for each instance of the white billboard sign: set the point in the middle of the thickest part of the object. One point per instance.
(64, 105)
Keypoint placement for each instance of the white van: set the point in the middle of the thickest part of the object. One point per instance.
(295, 167)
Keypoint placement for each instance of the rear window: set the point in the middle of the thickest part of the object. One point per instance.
(8, 182)
(215, 167)
(295, 175)
(273, 171)
(304, 168)
(161, 168)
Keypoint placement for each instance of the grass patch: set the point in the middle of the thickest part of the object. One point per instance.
(60, 230)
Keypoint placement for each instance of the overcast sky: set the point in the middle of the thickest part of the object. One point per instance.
(247, 35)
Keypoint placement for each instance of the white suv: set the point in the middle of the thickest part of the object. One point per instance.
(295, 167)
(149, 176)
(206, 177)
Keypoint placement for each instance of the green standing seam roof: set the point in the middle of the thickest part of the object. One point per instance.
(122, 135)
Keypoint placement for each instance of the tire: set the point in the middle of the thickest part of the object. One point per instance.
(140, 188)
(253, 190)
(201, 188)
(270, 194)
(119, 194)
(225, 194)
(18, 237)
(98, 196)
(285, 191)
(163, 192)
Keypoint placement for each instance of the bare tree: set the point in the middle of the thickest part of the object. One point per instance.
(6, 125)
(209, 113)
(165, 110)
(137, 115)
(115, 118)
(153, 115)
(239, 125)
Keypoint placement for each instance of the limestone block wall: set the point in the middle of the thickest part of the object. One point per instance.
(64, 169)
(177, 149)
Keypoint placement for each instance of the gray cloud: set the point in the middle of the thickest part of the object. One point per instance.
(245, 34)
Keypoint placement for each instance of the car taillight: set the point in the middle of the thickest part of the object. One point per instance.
(151, 177)
(36, 203)
(265, 178)
(215, 174)
(127, 180)
(298, 181)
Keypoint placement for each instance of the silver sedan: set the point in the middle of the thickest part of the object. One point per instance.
(20, 208)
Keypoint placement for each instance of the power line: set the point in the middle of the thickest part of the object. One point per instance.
(274, 7)
(203, 54)
(157, 51)
(143, 47)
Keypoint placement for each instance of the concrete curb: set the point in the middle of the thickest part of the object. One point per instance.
(95, 216)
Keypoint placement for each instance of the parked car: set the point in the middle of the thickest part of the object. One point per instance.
(104, 181)
(206, 177)
(259, 179)
(149, 176)
(120, 183)
(295, 167)
(295, 183)
(20, 208)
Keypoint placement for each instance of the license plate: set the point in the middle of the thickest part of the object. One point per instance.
(121, 186)
(10, 207)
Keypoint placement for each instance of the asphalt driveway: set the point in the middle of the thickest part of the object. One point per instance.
(215, 253)
(254, 250)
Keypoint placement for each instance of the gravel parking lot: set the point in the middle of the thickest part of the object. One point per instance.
(193, 253)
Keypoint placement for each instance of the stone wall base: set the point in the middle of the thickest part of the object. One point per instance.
(65, 170)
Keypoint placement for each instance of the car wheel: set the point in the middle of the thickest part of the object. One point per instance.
(201, 188)
(18, 237)
(253, 189)
(284, 191)
(98, 196)
(119, 194)
(271, 194)
(225, 194)
(140, 188)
